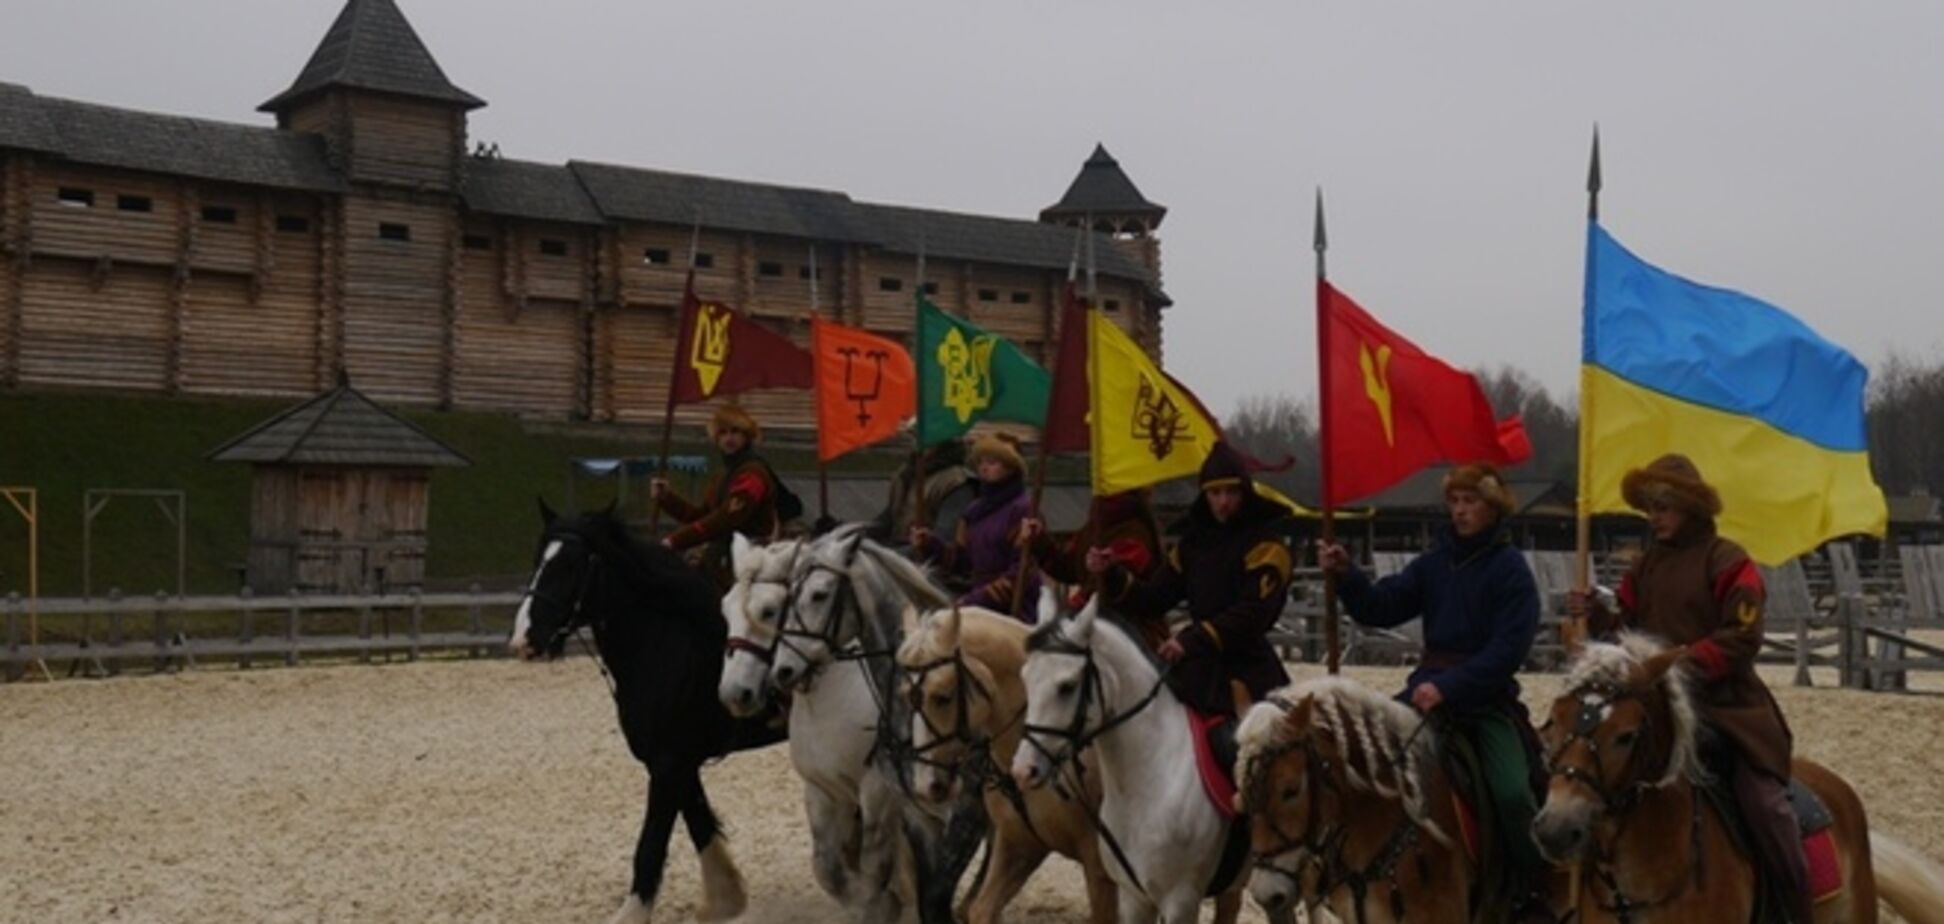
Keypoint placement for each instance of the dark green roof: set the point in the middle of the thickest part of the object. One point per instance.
(636, 194)
(372, 47)
(177, 145)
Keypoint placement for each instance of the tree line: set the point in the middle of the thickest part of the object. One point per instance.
(1904, 416)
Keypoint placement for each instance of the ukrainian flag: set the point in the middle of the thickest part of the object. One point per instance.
(1771, 413)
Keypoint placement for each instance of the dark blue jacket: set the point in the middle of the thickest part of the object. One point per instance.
(1480, 608)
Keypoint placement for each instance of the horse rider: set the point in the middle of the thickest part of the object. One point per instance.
(1123, 525)
(1695, 588)
(1480, 607)
(744, 496)
(1232, 567)
(985, 546)
(947, 486)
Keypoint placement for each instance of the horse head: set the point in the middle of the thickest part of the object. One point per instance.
(565, 561)
(1304, 752)
(1063, 690)
(753, 609)
(1626, 724)
(951, 695)
(823, 614)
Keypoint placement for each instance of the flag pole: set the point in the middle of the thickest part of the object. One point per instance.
(1573, 631)
(1026, 559)
(823, 468)
(674, 375)
(919, 451)
(1332, 644)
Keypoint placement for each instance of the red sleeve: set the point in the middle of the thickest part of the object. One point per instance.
(751, 486)
(1132, 554)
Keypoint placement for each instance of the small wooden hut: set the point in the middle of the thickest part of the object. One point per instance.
(340, 495)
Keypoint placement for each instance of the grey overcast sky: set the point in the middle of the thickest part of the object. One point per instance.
(1788, 148)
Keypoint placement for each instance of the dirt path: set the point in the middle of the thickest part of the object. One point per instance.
(493, 791)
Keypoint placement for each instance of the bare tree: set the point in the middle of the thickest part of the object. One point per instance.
(1270, 427)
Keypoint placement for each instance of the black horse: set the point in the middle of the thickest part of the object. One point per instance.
(658, 627)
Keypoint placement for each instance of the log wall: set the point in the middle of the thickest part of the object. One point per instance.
(512, 351)
(15, 228)
(401, 142)
(394, 291)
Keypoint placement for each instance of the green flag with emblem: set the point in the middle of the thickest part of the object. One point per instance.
(966, 375)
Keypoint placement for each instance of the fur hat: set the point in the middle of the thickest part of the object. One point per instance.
(1487, 482)
(1224, 466)
(1001, 446)
(733, 417)
(1671, 479)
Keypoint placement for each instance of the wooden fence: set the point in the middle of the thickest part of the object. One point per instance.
(103, 635)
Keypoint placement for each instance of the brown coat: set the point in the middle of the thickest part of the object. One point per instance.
(1702, 591)
(741, 498)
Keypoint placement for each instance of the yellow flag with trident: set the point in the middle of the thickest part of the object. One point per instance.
(1146, 427)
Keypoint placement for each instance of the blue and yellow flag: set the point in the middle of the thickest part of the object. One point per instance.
(1771, 413)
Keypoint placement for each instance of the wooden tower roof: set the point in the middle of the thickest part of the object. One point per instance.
(1102, 189)
(339, 427)
(372, 47)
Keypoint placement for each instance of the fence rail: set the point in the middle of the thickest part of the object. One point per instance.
(100, 635)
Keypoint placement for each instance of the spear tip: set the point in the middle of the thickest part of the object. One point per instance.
(1322, 239)
(1593, 177)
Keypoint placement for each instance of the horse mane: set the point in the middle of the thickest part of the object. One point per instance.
(1397, 753)
(1618, 665)
(978, 628)
(656, 568)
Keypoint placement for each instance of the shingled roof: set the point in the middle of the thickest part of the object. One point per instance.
(22, 124)
(636, 194)
(339, 427)
(986, 239)
(1102, 188)
(524, 189)
(177, 145)
(372, 47)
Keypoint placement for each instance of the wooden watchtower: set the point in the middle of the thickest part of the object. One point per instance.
(340, 496)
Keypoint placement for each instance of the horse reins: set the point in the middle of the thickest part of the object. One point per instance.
(570, 626)
(976, 766)
(1593, 711)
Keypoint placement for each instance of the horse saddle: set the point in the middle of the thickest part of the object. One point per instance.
(1813, 821)
(1215, 753)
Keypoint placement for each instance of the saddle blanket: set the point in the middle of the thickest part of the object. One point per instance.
(1214, 737)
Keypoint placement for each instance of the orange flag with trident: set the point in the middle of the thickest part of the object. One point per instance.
(867, 387)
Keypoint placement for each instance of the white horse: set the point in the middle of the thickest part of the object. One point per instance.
(847, 601)
(753, 608)
(1091, 684)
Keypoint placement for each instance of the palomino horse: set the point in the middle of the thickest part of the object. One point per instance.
(1090, 684)
(968, 703)
(753, 609)
(1351, 809)
(1624, 805)
(847, 600)
(659, 636)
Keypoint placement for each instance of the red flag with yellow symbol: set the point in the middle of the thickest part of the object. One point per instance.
(867, 387)
(1391, 409)
(720, 352)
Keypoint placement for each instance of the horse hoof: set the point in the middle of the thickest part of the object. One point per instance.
(723, 896)
(633, 911)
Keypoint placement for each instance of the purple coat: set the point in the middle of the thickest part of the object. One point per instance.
(985, 550)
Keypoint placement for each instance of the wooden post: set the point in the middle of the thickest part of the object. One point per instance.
(674, 375)
(1802, 652)
(1572, 632)
(26, 502)
(1332, 644)
(291, 629)
(418, 626)
(246, 634)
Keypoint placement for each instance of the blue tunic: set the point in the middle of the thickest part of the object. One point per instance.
(1480, 608)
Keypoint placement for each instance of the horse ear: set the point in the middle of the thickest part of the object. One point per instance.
(741, 552)
(1049, 603)
(948, 636)
(547, 514)
(854, 542)
(1081, 629)
(1298, 717)
(1654, 668)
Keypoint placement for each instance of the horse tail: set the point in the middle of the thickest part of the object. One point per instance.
(1908, 880)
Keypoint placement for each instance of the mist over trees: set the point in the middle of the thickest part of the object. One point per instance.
(1905, 419)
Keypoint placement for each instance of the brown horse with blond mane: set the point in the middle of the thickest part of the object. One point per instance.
(969, 705)
(1626, 806)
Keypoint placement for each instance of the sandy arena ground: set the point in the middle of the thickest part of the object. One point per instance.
(494, 791)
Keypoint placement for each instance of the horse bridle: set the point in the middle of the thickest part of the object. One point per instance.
(1592, 713)
(764, 653)
(572, 604)
(1322, 850)
(845, 607)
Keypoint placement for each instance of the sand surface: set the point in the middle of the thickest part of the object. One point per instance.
(495, 791)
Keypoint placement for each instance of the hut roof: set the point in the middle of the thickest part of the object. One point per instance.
(372, 47)
(339, 427)
(524, 189)
(1102, 188)
(166, 144)
(1914, 509)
